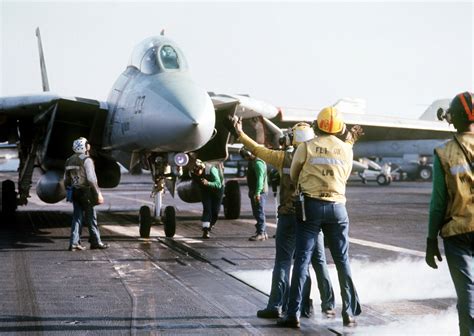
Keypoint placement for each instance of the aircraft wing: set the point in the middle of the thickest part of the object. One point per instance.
(32, 105)
(54, 119)
(39, 108)
(376, 127)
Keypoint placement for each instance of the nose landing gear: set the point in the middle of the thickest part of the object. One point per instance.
(163, 173)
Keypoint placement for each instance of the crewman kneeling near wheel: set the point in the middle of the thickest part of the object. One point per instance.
(210, 179)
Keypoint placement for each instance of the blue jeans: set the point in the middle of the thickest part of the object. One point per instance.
(459, 252)
(285, 248)
(258, 211)
(332, 218)
(211, 204)
(84, 212)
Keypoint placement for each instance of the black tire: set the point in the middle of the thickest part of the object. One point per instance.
(169, 221)
(232, 200)
(8, 202)
(425, 173)
(382, 179)
(144, 220)
(8, 196)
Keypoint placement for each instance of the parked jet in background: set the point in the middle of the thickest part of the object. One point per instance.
(154, 115)
(408, 143)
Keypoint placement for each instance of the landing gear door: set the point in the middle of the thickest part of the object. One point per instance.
(216, 148)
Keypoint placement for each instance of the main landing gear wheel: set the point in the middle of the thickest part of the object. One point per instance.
(425, 173)
(232, 200)
(169, 221)
(8, 199)
(384, 180)
(144, 220)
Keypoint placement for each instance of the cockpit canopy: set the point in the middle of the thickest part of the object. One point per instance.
(158, 54)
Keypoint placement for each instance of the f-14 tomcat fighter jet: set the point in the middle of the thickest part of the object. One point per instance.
(154, 116)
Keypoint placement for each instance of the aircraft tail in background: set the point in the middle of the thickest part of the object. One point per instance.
(430, 113)
(44, 74)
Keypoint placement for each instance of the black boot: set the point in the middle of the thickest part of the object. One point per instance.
(289, 322)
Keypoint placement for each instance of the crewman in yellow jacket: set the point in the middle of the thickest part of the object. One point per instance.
(285, 234)
(452, 207)
(320, 169)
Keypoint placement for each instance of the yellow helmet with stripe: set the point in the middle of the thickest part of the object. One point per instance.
(330, 120)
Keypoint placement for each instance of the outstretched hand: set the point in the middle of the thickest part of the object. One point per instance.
(356, 132)
(233, 125)
(432, 251)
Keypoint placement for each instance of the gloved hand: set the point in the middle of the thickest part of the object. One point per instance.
(233, 125)
(257, 199)
(355, 133)
(432, 250)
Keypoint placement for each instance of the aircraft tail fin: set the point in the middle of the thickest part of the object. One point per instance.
(44, 74)
(431, 112)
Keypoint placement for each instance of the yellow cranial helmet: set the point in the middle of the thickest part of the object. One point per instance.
(301, 132)
(330, 120)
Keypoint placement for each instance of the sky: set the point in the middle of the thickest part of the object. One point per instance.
(399, 56)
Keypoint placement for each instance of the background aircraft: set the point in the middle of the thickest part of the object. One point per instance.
(407, 143)
(154, 116)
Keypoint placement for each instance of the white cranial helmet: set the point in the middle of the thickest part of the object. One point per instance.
(79, 146)
(302, 132)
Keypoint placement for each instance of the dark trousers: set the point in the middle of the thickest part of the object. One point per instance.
(333, 220)
(258, 210)
(211, 204)
(459, 252)
(84, 212)
(285, 248)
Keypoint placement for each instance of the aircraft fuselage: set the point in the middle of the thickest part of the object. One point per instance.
(157, 109)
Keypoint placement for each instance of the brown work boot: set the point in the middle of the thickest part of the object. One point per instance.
(76, 247)
(259, 237)
(349, 321)
(329, 312)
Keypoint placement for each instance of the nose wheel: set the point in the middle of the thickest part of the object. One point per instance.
(144, 221)
(169, 221)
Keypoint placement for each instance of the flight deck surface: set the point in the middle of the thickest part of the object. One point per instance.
(187, 285)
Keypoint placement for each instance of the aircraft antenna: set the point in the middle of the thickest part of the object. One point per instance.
(44, 74)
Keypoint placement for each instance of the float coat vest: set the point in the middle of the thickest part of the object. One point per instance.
(76, 172)
(459, 178)
(326, 169)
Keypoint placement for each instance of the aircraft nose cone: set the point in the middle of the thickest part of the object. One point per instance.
(185, 119)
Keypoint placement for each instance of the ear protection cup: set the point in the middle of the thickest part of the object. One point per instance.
(465, 103)
(289, 139)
